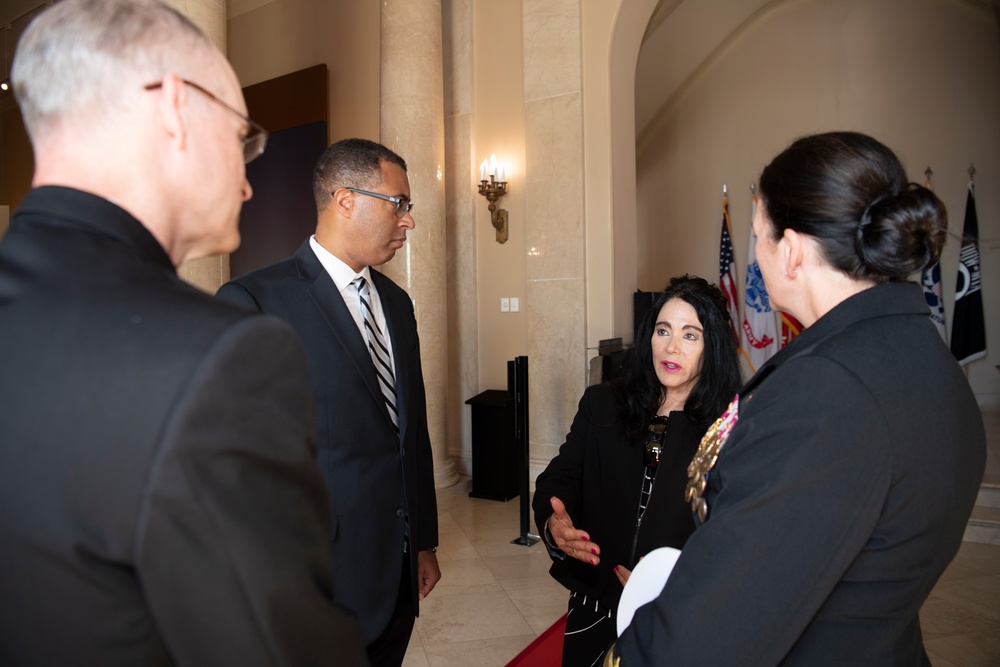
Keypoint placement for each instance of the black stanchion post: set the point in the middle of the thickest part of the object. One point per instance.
(517, 380)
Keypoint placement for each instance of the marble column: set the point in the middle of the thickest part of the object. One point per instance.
(460, 218)
(412, 124)
(208, 273)
(554, 196)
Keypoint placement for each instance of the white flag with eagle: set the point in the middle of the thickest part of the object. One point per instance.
(759, 333)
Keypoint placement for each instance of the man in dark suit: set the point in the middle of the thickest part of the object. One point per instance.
(360, 336)
(159, 500)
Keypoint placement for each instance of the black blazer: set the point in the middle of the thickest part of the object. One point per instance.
(598, 475)
(840, 496)
(382, 486)
(159, 503)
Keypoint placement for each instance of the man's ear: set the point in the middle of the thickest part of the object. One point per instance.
(172, 106)
(344, 201)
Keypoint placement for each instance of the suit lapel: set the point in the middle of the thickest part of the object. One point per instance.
(332, 308)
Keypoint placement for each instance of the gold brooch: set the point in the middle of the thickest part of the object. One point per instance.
(708, 453)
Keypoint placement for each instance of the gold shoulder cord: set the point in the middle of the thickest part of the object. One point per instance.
(609, 658)
(708, 453)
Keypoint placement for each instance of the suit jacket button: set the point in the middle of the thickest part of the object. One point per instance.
(400, 513)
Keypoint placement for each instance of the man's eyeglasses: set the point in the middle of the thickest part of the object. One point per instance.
(256, 139)
(403, 206)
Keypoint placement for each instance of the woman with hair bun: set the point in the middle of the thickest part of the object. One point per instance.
(836, 488)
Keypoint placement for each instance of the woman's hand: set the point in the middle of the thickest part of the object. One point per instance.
(574, 543)
(623, 573)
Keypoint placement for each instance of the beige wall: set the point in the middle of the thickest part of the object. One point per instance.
(921, 75)
(623, 51)
(267, 39)
(498, 127)
(524, 104)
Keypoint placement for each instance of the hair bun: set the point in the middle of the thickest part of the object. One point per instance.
(902, 233)
(866, 215)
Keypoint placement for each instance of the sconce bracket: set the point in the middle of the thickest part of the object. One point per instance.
(500, 224)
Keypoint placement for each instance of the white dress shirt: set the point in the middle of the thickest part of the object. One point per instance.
(342, 276)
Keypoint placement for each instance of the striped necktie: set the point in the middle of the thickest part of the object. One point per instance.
(379, 350)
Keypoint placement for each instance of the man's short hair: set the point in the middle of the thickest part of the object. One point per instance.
(350, 163)
(78, 57)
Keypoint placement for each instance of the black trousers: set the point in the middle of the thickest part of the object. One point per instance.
(590, 630)
(389, 648)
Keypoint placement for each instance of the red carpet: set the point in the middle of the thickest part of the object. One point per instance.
(546, 650)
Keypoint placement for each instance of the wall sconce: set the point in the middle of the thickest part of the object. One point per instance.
(493, 189)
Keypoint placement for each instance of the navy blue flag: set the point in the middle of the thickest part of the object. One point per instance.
(968, 328)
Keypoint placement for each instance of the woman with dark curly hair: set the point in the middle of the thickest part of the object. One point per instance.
(836, 489)
(596, 503)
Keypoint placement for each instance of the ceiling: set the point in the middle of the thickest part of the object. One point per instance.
(682, 37)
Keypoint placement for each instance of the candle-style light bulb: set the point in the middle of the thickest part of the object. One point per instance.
(482, 171)
(502, 173)
(493, 165)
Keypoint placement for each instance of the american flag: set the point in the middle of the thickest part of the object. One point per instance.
(727, 271)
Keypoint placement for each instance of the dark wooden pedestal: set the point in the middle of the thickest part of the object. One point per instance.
(494, 448)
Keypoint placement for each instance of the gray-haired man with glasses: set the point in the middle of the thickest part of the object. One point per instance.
(364, 359)
(159, 498)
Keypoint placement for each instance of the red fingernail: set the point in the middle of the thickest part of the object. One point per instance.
(593, 551)
(584, 538)
(615, 570)
(593, 562)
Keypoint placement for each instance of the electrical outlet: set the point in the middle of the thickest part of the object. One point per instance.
(505, 305)
(515, 304)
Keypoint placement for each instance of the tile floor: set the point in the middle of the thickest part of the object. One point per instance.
(495, 597)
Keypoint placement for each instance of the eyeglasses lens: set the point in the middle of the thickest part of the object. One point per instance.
(253, 146)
